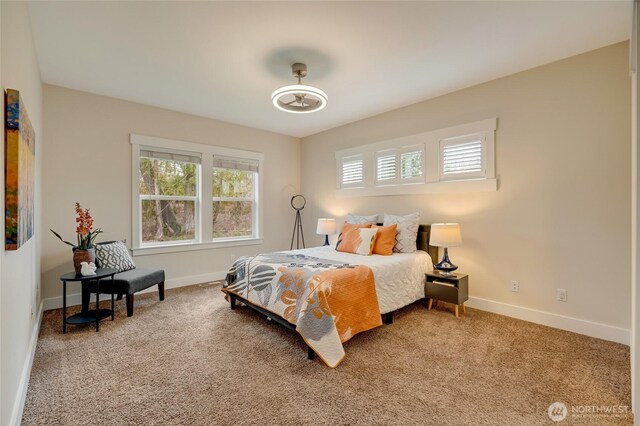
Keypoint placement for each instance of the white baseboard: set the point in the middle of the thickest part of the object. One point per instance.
(580, 326)
(76, 298)
(21, 395)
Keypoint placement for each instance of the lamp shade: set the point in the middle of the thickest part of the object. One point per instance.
(445, 235)
(326, 226)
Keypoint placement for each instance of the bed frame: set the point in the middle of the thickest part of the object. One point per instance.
(422, 244)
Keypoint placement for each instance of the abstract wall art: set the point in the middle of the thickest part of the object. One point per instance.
(19, 172)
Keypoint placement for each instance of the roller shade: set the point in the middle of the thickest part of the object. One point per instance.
(171, 156)
(235, 163)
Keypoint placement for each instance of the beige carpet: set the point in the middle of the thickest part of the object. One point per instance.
(190, 360)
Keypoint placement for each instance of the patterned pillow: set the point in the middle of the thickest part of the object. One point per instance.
(352, 218)
(407, 231)
(114, 255)
(358, 241)
(348, 227)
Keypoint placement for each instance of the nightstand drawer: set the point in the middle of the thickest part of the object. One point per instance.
(443, 291)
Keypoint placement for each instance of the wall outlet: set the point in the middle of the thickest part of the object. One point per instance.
(515, 286)
(561, 294)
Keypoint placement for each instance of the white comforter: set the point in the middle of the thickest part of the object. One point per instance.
(399, 277)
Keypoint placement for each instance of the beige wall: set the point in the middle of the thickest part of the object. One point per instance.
(88, 159)
(20, 273)
(561, 216)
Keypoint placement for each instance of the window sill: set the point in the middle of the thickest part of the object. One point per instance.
(175, 248)
(452, 186)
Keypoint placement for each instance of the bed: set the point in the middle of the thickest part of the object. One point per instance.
(328, 296)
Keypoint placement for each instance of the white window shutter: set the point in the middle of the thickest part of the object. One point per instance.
(352, 172)
(386, 167)
(463, 158)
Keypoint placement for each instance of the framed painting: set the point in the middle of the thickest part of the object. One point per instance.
(19, 172)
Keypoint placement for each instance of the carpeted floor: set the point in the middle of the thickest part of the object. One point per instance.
(190, 360)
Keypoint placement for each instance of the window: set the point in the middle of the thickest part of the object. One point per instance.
(352, 172)
(386, 167)
(189, 196)
(399, 166)
(233, 197)
(462, 158)
(168, 191)
(411, 163)
(453, 159)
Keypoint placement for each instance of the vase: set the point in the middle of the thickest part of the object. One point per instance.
(80, 256)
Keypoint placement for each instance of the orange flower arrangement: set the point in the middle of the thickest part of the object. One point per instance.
(84, 230)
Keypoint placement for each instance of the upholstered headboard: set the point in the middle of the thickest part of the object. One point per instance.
(423, 242)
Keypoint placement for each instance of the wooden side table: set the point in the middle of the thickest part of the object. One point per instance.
(452, 288)
(86, 315)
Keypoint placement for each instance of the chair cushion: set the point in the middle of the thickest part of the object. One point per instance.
(132, 281)
(138, 279)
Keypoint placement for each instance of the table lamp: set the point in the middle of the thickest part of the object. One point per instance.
(326, 227)
(445, 235)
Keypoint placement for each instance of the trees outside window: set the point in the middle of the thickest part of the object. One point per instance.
(233, 203)
(168, 196)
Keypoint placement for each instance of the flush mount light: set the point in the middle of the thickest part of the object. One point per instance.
(299, 98)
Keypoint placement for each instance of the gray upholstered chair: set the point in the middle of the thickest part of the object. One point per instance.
(128, 283)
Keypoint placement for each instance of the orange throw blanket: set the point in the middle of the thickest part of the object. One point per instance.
(329, 302)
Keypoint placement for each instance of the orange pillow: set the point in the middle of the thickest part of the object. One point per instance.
(385, 240)
(349, 227)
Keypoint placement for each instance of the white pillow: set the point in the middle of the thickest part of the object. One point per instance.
(358, 220)
(407, 231)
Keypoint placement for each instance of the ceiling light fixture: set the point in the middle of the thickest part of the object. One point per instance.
(299, 98)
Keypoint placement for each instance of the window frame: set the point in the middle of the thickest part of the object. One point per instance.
(340, 170)
(431, 180)
(204, 216)
(461, 176)
(393, 152)
(254, 207)
(194, 198)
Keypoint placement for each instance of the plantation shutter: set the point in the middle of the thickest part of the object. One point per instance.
(385, 167)
(411, 164)
(184, 157)
(352, 172)
(222, 162)
(463, 158)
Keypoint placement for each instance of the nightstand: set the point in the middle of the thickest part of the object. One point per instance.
(452, 288)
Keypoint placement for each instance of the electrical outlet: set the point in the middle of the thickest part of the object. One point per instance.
(515, 286)
(561, 294)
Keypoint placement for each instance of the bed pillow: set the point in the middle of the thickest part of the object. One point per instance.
(348, 227)
(358, 241)
(114, 255)
(385, 239)
(407, 231)
(352, 218)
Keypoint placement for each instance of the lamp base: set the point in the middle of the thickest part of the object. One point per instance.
(326, 240)
(445, 267)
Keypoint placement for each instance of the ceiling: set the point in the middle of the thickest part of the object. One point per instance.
(224, 59)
